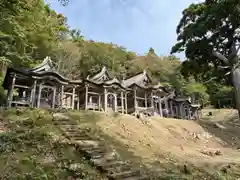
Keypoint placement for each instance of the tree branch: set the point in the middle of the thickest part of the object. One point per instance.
(221, 57)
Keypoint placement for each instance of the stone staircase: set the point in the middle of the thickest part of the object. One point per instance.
(95, 151)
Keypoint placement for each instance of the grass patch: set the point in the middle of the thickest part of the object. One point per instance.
(28, 151)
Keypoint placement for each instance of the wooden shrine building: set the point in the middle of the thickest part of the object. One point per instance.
(43, 87)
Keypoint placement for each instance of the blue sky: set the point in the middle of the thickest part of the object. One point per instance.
(134, 24)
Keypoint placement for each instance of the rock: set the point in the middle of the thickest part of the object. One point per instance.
(186, 169)
(149, 145)
(60, 116)
(88, 143)
(220, 126)
(212, 152)
(75, 166)
(126, 145)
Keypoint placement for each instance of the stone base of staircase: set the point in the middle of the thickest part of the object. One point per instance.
(93, 150)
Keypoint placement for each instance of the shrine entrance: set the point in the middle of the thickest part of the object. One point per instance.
(111, 101)
(46, 96)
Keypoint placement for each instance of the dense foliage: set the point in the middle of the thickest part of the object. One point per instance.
(208, 33)
(31, 30)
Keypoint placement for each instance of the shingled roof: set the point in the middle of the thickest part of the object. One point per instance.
(41, 71)
(46, 65)
(138, 79)
(99, 76)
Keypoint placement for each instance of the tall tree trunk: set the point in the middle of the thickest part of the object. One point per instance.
(236, 85)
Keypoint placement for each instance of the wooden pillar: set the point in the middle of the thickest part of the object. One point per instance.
(115, 103)
(135, 97)
(73, 97)
(145, 94)
(78, 101)
(86, 97)
(122, 102)
(152, 105)
(126, 108)
(171, 108)
(99, 101)
(39, 95)
(61, 96)
(54, 98)
(160, 107)
(105, 99)
(10, 91)
(189, 112)
(166, 104)
(181, 111)
(33, 94)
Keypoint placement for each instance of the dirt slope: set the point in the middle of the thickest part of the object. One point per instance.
(164, 139)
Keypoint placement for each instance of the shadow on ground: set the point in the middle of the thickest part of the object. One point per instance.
(227, 130)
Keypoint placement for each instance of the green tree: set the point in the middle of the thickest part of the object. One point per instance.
(209, 34)
(29, 30)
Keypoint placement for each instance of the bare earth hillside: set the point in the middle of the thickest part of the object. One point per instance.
(161, 139)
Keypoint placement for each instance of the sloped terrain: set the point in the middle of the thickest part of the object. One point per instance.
(180, 138)
(37, 144)
(31, 147)
(168, 146)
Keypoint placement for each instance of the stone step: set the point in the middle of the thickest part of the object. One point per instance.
(122, 175)
(79, 138)
(103, 158)
(138, 177)
(112, 164)
(104, 162)
(76, 134)
(91, 149)
(96, 152)
(57, 119)
(120, 168)
(88, 144)
(67, 123)
(98, 155)
(73, 130)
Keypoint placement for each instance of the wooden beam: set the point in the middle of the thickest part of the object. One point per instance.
(140, 98)
(93, 93)
(22, 86)
(49, 87)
